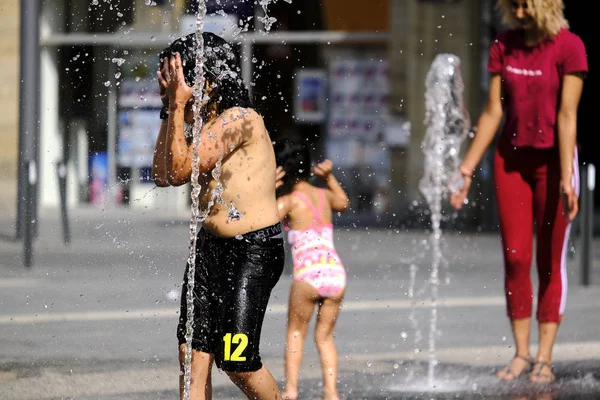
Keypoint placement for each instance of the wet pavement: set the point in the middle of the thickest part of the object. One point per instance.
(96, 319)
(408, 381)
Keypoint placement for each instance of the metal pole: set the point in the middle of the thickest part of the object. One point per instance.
(111, 150)
(61, 169)
(62, 174)
(28, 124)
(120, 40)
(29, 214)
(588, 180)
(246, 65)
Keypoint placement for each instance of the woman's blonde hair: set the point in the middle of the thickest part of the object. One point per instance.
(547, 14)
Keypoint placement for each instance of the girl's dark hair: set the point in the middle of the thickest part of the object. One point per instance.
(295, 159)
(221, 67)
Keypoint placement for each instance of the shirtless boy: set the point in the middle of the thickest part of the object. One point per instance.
(239, 248)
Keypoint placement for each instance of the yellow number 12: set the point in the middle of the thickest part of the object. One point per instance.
(240, 338)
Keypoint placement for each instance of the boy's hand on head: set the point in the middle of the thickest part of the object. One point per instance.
(279, 174)
(163, 81)
(323, 169)
(179, 92)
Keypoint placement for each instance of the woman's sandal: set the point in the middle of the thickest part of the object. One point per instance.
(538, 376)
(508, 375)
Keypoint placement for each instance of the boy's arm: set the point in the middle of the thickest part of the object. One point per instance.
(178, 166)
(337, 196)
(179, 153)
(159, 160)
(226, 133)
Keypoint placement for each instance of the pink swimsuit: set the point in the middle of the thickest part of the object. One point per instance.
(315, 260)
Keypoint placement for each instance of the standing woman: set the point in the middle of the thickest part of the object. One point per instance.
(537, 67)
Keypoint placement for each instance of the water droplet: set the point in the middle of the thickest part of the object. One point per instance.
(118, 61)
(107, 83)
(369, 363)
(172, 294)
(239, 237)
(403, 335)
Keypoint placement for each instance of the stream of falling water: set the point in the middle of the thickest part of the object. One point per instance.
(198, 216)
(195, 194)
(447, 126)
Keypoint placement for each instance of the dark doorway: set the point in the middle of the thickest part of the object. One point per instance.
(582, 22)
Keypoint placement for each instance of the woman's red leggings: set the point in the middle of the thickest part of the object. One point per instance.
(527, 190)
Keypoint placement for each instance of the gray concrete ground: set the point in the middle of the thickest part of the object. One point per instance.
(96, 319)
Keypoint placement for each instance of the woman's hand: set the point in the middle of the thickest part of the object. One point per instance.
(323, 169)
(279, 174)
(569, 199)
(179, 93)
(458, 199)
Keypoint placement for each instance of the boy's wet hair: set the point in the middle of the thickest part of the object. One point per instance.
(221, 67)
(295, 159)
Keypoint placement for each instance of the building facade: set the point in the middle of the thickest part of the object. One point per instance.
(362, 97)
(9, 104)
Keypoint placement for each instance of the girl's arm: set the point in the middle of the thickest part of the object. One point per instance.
(488, 124)
(567, 136)
(284, 206)
(338, 197)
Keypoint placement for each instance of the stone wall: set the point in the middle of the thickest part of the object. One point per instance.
(419, 31)
(9, 104)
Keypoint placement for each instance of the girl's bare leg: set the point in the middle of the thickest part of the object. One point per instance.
(303, 298)
(329, 311)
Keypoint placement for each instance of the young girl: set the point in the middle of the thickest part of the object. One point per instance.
(319, 276)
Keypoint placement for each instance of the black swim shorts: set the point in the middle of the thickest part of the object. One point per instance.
(233, 280)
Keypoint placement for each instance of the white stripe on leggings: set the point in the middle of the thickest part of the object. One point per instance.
(563, 256)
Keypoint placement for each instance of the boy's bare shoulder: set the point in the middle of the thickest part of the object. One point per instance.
(241, 116)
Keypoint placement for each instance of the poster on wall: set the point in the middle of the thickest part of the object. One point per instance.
(139, 123)
(356, 127)
(310, 101)
(138, 130)
(359, 93)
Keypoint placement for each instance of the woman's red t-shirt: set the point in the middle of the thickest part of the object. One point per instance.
(532, 82)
